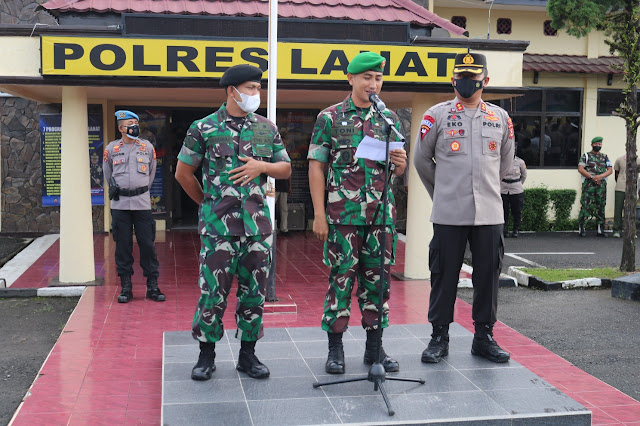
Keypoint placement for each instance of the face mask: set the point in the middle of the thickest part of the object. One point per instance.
(466, 87)
(132, 131)
(249, 103)
(596, 148)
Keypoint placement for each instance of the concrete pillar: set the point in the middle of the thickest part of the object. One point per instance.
(76, 228)
(419, 204)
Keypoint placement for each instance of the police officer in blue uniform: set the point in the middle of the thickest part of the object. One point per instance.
(129, 166)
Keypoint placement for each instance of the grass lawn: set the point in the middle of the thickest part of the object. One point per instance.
(574, 274)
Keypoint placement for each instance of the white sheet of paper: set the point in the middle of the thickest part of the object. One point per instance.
(373, 149)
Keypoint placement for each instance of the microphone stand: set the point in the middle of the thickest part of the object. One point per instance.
(377, 374)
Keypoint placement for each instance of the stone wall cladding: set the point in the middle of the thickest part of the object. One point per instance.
(24, 12)
(22, 209)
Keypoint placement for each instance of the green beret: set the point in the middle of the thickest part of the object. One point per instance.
(366, 61)
(238, 74)
(596, 139)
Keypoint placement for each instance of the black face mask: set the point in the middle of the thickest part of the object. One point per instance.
(596, 148)
(133, 130)
(467, 87)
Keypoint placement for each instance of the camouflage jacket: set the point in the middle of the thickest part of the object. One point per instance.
(595, 163)
(216, 141)
(354, 185)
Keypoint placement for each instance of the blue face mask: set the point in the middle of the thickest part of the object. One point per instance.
(466, 87)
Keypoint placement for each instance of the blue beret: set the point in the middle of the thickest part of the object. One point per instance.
(123, 114)
(238, 74)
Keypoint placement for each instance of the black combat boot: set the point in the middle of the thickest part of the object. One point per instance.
(206, 362)
(335, 360)
(583, 233)
(249, 363)
(390, 365)
(438, 345)
(601, 231)
(483, 344)
(126, 294)
(153, 292)
(515, 233)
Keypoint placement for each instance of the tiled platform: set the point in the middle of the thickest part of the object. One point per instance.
(106, 367)
(460, 389)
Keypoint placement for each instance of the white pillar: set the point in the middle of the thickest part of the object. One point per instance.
(76, 228)
(419, 205)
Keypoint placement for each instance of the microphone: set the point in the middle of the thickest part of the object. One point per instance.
(377, 102)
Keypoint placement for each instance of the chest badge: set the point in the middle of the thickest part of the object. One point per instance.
(454, 132)
(493, 145)
(455, 146)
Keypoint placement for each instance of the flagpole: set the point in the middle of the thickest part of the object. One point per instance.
(272, 77)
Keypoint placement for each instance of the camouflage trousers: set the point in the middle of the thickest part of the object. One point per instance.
(222, 258)
(592, 202)
(353, 252)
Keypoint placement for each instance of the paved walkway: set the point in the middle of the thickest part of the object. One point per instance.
(106, 367)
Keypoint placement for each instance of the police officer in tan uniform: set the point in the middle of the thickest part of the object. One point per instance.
(129, 166)
(465, 147)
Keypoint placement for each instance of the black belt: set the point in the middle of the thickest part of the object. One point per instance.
(510, 180)
(132, 192)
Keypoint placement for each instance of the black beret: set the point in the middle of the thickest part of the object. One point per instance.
(238, 74)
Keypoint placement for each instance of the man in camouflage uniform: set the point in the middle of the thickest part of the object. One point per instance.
(129, 166)
(594, 167)
(353, 222)
(238, 150)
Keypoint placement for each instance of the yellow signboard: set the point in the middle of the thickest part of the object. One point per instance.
(82, 56)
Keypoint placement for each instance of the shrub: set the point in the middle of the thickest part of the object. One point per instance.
(534, 210)
(562, 201)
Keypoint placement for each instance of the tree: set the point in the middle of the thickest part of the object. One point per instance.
(619, 20)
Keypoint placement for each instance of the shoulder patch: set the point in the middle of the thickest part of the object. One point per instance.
(426, 125)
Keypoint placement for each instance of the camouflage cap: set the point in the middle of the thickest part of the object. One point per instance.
(366, 61)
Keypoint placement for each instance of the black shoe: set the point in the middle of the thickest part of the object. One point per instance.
(601, 232)
(335, 359)
(583, 233)
(438, 345)
(515, 234)
(483, 345)
(284, 233)
(206, 362)
(153, 292)
(249, 363)
(126, 294)
(390, 365)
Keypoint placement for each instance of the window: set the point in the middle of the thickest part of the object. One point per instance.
(460, 21)
(609, 100)
(549, 30)
(547, 126)
(504, 26)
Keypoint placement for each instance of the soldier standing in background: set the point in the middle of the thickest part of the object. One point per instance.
(352, 224)
(464, 148)
(512, 193)
(238, 151)
(129, 167)
(594, 166)
(620, 169)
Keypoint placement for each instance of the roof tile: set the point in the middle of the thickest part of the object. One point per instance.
(570, 63)
(360, 10)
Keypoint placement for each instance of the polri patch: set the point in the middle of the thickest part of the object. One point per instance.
(426, 125)
(493, 145)
(455, 146)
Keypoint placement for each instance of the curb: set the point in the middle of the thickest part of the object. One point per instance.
(75, 291)
(532, 281)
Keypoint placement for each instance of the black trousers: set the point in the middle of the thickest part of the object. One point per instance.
(446, 253)
(123, 223)
(514, 203)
